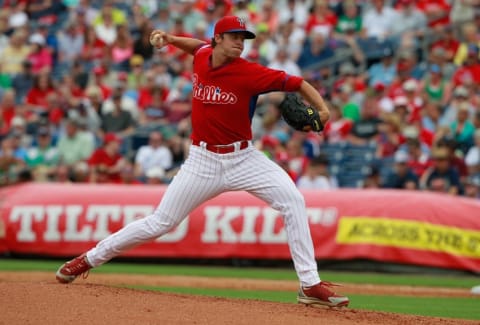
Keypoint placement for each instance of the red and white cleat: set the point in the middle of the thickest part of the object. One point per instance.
(72, 269)
(320, 294)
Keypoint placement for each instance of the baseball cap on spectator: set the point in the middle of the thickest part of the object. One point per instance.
(98, 70)
(440, 153)
(460, 91)
(411, 132)
(472, 49)
(400, 157)
(439, 52)
(346, 68)
(409, 85)
(136, 60)
(379, 86)
(387, 52)
(44, 130)
(18, 121)
(111, 137)
(435, 68)
(37, 39)
(155, 172)
(400, 101)
(269, 140)
(233, 24)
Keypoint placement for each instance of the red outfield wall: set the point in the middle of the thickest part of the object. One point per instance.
(418, 228)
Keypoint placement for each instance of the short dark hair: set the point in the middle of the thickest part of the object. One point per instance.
(214, 43)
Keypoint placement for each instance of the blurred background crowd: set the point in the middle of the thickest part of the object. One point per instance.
(85, 98)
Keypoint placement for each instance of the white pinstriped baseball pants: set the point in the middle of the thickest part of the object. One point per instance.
(205, 175)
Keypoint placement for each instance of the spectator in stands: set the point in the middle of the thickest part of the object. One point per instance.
(298, 160)
(462, 128)
(190, 14)
(350, 21)
(155, 176)
(62, 174)
(317, 175)
(412, 24)
(162, 19)
(441, 177)
(432, 113)
(455, 156)
(373, 179)
(460, 98)
(434, 86)
(37, 96)
(44, 155)
(343, 98)
(291, 36)
(472, 158)
(384, 71)
(141, 45)
(472, 187)
(295, 10)
(106, 162)
(70, 44)
(127, 103)
(282, 159)
(338, 127)
(106, 28)
(283, 62)
(7, 108)
(40, 56)
(445, 40)
(127, 175)
(4, 30)
(10, 163)
(15, 53)
(380, 20)
(155, 154)
(122, 49)
(73, 145)
(401, 176)
(389, 136)
(119, 120)
(315, 50)
(439, 57)
(93, 47)
(321, 18)
(419, 160)
(469, 71)
(471, 40)
(366, 129)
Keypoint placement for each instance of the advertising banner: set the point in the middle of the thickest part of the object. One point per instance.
(416, 228)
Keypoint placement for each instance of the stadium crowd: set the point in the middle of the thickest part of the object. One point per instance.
(85, 98)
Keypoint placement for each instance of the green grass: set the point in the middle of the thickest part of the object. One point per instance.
(252, 273)
(465, 308)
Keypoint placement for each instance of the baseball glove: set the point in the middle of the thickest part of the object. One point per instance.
(300, 116)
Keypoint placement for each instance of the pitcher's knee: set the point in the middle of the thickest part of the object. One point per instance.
(160, 223)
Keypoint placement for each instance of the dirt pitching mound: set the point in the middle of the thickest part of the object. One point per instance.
(36, 301)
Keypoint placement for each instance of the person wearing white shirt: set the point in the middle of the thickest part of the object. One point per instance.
(317, 176)
(472, 159)
(380, 20)
(283, 62)
(155, 154)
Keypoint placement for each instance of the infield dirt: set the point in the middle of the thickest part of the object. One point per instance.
(36, 298)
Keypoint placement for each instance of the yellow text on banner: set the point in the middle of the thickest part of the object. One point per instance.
(409, 234)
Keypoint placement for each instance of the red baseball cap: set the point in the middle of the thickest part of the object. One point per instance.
(233, 24)
(111, 137)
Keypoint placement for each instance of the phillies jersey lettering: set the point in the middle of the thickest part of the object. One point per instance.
(225, 97)
(211, 94)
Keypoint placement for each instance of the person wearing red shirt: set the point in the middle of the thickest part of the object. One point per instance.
(36, 98)
(469, 72)
(446, 40)
(321, 17)
(222, 157)
(436, 11)
(106, 162)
